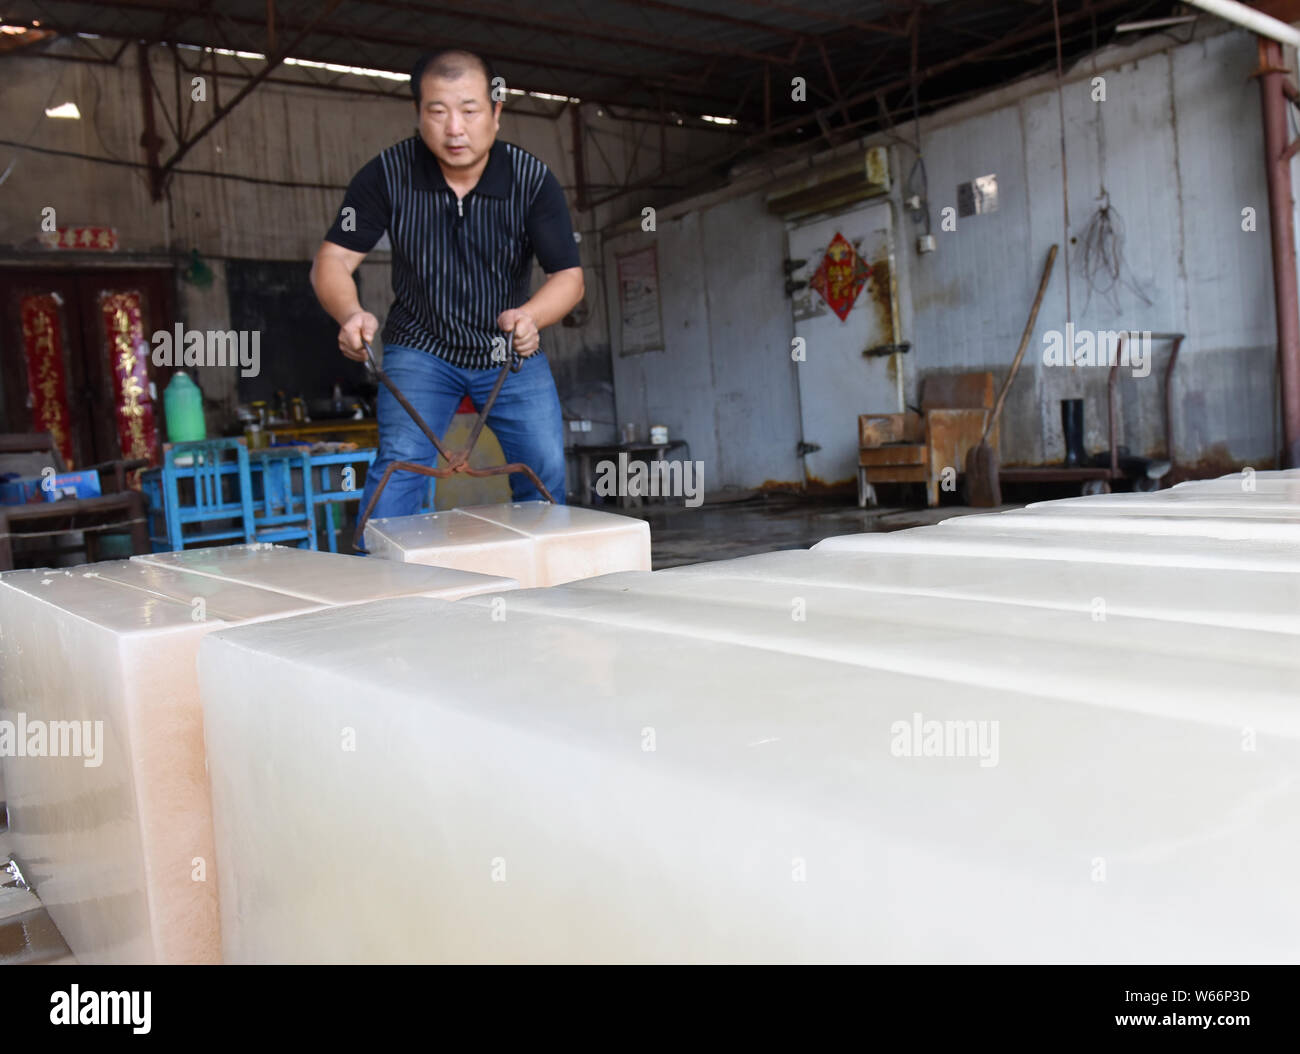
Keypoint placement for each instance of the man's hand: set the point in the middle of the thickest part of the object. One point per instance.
(525, 329)
(357, 325)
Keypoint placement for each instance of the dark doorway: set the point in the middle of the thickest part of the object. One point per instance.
(299, 341)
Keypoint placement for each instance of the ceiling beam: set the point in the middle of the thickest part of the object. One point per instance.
(584, 28)
(806, 14)
(686, 83)
(716, 16)
(272, 61)
(758, 139)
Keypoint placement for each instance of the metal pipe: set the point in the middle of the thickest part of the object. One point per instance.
(149, 139)
(1249, 18)
(1177, 338)
(579, 159)
(1112, 423)
(1272, 75)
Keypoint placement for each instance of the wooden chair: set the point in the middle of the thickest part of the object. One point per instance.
(918, 448)
(118, 510)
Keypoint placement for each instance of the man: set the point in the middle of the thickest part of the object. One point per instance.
(465, 215)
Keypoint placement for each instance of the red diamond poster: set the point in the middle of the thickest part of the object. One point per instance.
(840, 277)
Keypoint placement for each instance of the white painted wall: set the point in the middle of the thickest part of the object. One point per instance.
(1178, 145)
(724, 381)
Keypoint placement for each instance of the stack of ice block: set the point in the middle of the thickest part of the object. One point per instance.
(117, 840)
(536, 543)
(1240, 521)
(949, 744)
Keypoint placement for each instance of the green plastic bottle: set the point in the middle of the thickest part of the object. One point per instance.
(183, 404)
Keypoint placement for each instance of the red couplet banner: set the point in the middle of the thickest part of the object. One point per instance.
(128, 353)
(43, 349)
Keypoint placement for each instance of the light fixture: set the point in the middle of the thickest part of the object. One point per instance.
(67, 109)
(1155, 23)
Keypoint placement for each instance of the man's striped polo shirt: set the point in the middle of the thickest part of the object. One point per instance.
(457, 264)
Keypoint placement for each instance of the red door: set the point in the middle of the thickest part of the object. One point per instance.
(74, 350)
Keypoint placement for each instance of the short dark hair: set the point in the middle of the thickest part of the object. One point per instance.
(448, 63)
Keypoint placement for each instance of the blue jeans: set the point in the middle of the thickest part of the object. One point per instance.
(526, 420)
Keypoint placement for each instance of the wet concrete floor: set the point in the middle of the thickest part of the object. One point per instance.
(28, 935)
(764, 523)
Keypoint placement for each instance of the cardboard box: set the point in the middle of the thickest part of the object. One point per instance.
(18, 490)
(74, 485)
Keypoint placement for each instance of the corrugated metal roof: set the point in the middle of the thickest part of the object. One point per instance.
(706, 57)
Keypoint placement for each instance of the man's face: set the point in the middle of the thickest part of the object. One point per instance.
(458, 120)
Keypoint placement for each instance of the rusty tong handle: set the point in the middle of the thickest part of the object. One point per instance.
(516, 361)
(513, 364)
(373, 367)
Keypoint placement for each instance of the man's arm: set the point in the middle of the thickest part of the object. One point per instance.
(557, 296)
(356, 230)
(550, 229)
(336, 289)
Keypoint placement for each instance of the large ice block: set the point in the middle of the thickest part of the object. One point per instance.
(1270, 497)
(112, 848)
(452, 539)
(1248, 599)
(607, 775)
(990, 537)
(328, 578)
(538, 543)
(1239, 525)
(1018, 647)
(1267, 511)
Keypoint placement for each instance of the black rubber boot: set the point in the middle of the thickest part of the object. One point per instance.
(1072, 426)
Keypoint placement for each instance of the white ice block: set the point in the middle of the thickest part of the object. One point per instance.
(1271, 498)
(451, 539)
(674, 795)
(538, 543)
(990, 537)
(206, 596)
(1118, 660)
(1245, 525)
(111, 848)
(1234, 479)
(1246, 599)
(327, 578)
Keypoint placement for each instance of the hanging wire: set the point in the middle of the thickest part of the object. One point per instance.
(919, 164)
(40, 118)
(1101, 255)
(1065, 173)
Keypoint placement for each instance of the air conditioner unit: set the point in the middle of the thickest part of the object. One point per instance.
(852, 178)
